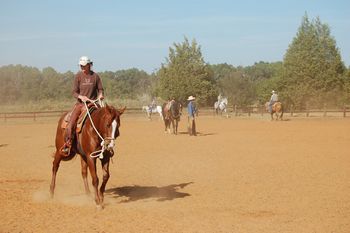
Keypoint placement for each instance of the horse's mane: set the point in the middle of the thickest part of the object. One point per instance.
(109, 110)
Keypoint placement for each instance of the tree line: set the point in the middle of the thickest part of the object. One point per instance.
(312, 73)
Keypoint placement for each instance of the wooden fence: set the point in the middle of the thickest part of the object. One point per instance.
(232, 111)
(235, 111)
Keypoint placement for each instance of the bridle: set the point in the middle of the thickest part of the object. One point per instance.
(110, 140)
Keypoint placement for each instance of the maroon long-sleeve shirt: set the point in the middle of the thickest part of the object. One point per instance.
(88, 85)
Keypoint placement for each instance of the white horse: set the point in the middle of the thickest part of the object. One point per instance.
(221, 106)
(155, 109)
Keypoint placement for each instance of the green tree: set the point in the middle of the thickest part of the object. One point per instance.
(313, 69)
(126, 83)
(265, 77)
(185, 73)
(238, 88)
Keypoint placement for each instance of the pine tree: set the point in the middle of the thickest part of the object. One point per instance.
(185, 73)
(313, 69)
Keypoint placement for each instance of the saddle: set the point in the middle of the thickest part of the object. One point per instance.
(80, 121)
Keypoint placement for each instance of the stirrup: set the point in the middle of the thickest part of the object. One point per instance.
(66, 148)
(65, 151)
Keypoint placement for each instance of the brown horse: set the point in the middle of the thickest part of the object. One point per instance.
(96, 139)
(171, 116)
(277, 109)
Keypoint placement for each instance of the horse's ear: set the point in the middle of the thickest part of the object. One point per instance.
(121, 111)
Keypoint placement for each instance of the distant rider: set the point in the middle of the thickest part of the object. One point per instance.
(273, 99)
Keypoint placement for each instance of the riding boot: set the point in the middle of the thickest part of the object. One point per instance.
(67, 142)
(66, 148)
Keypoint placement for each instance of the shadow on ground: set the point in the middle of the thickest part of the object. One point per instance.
(198, 133)
(136, 192)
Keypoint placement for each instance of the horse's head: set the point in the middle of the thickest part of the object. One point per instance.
(108, 125)
(175, 110)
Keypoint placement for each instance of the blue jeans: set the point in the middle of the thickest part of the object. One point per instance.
(271, 104)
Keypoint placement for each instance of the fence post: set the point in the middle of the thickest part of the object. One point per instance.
(344, 110)
(291, 110)
(249, 109)
(235, 110)
(34, 116)
(324, 110)
(307, 110)
(262, 110)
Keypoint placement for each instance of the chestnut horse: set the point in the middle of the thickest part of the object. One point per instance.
(171, 116)
(96, 139)
(277, 109)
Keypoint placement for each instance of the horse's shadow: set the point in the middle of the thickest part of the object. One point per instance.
(198, 133)
(136, 192)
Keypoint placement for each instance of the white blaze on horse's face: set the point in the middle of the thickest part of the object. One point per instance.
(114, 128)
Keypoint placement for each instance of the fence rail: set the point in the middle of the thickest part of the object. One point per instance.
(232, 111)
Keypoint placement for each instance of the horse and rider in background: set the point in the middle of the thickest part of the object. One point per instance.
(220, 106)
(149, 110)
(274, 107)
(152, 108)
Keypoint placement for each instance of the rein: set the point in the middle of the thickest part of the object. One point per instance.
(98, 153)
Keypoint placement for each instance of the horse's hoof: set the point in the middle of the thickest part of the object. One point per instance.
(99, 207)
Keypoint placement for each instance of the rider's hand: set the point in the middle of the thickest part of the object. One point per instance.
(84, 98)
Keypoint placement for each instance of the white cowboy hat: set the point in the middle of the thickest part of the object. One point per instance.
(191, 98)
(273, 92)
(84, 60)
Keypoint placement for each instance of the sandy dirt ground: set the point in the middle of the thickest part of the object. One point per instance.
(238, 175)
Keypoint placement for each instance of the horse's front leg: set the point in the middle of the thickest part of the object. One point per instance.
(105, 170)
(92, 168)
(84, 173)
(176, 125)
(173, 123)
(167, 126)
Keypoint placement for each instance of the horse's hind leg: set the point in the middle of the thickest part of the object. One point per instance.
(55, 166)
(84, 173)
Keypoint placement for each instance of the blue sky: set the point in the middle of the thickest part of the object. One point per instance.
(125, 34)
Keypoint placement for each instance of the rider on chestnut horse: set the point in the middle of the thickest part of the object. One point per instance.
(86, 88)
